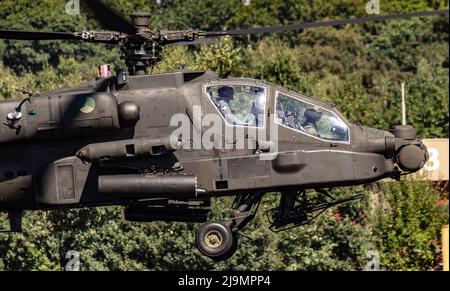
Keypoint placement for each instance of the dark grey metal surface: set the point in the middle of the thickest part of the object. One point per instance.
(96, 140)
(148, 185)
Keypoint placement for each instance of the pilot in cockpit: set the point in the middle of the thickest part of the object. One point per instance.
(312, 116)
(225, 96)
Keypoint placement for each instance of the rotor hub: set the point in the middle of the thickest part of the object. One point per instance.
(141, 52)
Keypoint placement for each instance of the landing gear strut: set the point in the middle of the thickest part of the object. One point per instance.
(219, 241)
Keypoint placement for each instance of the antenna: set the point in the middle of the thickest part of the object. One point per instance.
(403, 105)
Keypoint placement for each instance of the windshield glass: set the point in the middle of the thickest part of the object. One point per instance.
(310, 119)
(239, 104)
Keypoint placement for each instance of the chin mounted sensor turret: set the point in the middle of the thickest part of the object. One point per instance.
(411, 154)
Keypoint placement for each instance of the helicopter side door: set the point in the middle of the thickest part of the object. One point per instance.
(313, 139)
(235, 114)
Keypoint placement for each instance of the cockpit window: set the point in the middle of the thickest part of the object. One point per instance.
(310, 119)
(239, 104)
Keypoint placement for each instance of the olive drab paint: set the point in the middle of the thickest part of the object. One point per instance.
(80, 134)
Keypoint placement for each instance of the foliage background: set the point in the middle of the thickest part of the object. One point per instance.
(358, 67)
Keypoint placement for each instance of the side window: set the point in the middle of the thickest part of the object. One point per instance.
(239, 104)
(310, 119)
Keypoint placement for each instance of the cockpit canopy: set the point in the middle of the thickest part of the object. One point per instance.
(310, 119)
(246, 105)
(240, 104)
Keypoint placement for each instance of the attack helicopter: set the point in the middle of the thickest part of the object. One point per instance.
(117, 140)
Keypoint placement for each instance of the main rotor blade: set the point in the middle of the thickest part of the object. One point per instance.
(35, 35)
(212, 40)
(109, 18)
(299, 26)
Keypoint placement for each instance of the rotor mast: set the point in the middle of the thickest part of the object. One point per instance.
(137, 53)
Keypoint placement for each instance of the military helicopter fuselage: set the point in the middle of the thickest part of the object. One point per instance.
(84, 146)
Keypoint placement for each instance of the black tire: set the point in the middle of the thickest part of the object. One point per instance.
(216, 241)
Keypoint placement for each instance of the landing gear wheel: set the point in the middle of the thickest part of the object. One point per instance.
(216, 241)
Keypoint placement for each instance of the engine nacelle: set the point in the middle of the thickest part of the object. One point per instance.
(62, 116)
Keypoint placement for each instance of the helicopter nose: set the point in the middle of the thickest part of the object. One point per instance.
(411, 154)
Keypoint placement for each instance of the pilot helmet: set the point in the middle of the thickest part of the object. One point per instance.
(312, 114)
(226, 93)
